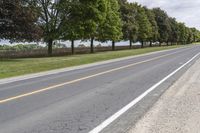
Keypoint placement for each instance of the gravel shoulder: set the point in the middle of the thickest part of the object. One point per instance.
(178, 110)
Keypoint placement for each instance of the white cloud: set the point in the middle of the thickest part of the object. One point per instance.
(186, 11)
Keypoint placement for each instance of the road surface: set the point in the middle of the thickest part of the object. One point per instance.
(177, 111)
(79, 101)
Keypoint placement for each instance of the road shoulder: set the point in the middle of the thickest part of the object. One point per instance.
(178, 108)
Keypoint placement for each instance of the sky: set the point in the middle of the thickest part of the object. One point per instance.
(187, 11)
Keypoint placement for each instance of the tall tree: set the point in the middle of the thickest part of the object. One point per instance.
(189, 35)
(71, 28)
(145, 27)
(130, 26)
(154, 33)
(83, 19)
(111, 29)
(50, 20)
(182, 33)
(18, 21)
(162, 20)
(196, 35)
(174, 34)
(92, 15)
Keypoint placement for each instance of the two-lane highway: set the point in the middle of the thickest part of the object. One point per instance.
(79, 101)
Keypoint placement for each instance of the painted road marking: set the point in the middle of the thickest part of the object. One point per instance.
(51, 72)
(84, 78)
(108, 121)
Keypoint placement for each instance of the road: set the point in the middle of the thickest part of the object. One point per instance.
(177, 110)
(78, 101)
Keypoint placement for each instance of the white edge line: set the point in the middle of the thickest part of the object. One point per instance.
(108, 121)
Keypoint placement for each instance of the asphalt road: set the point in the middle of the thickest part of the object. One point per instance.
(78, 101)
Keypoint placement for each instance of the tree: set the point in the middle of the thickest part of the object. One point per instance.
(195, 35)
(71, 28)
(51, 20)
(92, 14)
(111, 29)
(182, 33)
(162, 20)
(154, 34)
(82, 20)
(174, 34)
(18, 21)
(130, 26)
(145, 27)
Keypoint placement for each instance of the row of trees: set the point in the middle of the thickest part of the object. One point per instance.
(153, 25)
(102, 20)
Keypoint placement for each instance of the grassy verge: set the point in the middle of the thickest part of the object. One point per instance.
(196, 43)
(16, 67)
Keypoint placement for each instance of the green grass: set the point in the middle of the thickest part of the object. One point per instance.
(16, 67)
(196, 43)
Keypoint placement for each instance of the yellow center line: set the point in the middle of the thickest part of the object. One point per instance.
(81, 79)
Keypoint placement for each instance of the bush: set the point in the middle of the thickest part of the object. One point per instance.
(20, 47)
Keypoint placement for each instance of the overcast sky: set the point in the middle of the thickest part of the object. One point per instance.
(187, 11)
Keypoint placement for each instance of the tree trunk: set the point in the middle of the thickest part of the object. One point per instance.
(72, 46)
(150, 43)
(167, 43)
(92, 45)
(142, 45)
(50, 47)
(130, 46)
(160, 43)
(113, 45)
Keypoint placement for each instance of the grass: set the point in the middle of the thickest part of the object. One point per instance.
(16, 67)
(196, 43)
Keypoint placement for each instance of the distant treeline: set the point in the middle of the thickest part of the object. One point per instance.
(101, 20)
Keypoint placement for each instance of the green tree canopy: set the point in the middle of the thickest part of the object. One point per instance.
(154, 33)
(50, 20)
(103, 20)
(130, 26)
(163, 23)
(145, 27)
(111, 29)
(174, 33)
(90, 15)
(182, 33)
(18, 21)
